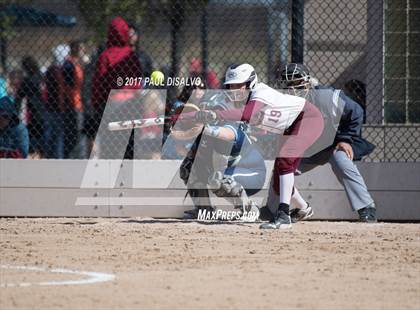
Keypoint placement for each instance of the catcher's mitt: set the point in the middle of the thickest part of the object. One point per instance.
(186, 131)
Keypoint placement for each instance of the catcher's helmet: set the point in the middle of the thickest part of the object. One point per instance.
(295, 76)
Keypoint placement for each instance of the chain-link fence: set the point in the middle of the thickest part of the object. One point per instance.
(61, 59)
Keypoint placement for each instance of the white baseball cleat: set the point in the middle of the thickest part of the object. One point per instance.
(301, 214)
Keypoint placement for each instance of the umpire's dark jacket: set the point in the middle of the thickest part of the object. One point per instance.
(349, 130)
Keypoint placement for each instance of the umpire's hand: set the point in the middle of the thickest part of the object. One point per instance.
(345, 147)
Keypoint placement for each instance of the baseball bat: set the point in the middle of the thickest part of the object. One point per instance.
(136, 123)
(147, 122)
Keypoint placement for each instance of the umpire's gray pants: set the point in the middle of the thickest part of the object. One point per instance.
(345, 171)
(347, 174)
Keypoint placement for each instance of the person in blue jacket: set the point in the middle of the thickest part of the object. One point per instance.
(14, 138)
(3, 88)
(344, 117)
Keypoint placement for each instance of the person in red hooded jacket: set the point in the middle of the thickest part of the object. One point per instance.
(196, 68)
(117, 62)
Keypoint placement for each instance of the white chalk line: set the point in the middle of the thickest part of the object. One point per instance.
(94, 277)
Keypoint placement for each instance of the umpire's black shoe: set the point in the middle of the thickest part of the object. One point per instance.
(282, 221)
(367, 215)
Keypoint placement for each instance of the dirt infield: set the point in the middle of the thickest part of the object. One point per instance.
(169, 264)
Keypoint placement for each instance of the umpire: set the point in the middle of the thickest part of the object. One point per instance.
(347, 147)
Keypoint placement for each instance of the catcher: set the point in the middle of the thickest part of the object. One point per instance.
(280, 114)
(222, 159)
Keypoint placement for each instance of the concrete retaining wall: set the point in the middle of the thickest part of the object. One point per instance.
(104, 188)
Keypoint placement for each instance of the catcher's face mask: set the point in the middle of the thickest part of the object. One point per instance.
(296, 80)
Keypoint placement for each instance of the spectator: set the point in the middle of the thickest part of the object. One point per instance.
(191, 94)
(118, 60)
(15, 80)
(146, 62)
(89, 124)
(30, 89)
(146, 65)
(174, 148)
(115, 64)
(73, 114)
(196, 68)
(54, 103)
(148, 141)
(14, 139)
(3, 88)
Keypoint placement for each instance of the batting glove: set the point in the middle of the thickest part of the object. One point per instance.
(205, 116)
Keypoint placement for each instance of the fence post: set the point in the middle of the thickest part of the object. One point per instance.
(204, 42)
(277, 22)
(3, 51)
(374, 62)
(177, 16)
(297, 30)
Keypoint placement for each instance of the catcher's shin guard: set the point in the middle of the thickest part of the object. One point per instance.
(185, 168)
(225, 186)
(201, 201)
(200, 198)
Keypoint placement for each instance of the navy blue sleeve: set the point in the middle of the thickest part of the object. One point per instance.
(21, 139)
(351, 120)
(22, 93)
(68, 73)
(240, 138)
